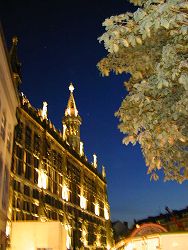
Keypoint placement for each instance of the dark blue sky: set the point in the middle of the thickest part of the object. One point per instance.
(58, 45)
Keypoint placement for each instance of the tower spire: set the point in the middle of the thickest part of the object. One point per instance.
(71, 122)
(71, 109)
(15, 64)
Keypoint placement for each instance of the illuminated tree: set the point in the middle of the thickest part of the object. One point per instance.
(152, 45)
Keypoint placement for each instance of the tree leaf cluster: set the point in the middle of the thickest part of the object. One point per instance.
(152, 45)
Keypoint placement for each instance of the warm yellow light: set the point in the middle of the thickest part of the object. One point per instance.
(68, 242)
(68, 111)
(83, 202)
(97, 209)
(103, 172)
(42, 179)
(68, 238)
(106, 213)
(8, 229)
(65, 193)
(95, 161)
(98, 242)
(64, 131)
(129, 246)
(44, 111)
(174, 244)
(84, 237)
(81, 148)
(108, 247)
(71, 87)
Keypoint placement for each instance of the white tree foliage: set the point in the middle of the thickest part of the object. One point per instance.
(152, 45)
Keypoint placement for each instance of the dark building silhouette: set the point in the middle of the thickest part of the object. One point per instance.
(173, 220)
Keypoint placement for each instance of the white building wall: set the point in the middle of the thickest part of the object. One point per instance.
(32, 235)
(167, 241)
(174, 241)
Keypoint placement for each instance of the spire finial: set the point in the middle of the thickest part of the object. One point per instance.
(71, 124)
(15, 40)
(71, 87)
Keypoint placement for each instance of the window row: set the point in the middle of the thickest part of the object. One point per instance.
(26, 190)
(5, 132)
(25, 205)
(20, 215)
(25, 136)
(32, 142)
(90, 203)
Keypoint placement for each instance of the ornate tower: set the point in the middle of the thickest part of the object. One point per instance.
(71, 122)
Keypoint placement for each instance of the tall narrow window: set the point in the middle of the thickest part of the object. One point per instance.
(5, 188)
(19, 131)
(106, 213)
(3, 126)
(36, 143)
(97, 209)
(65, 193)
(27, 137)
(83, 202)
(42, 179)
(9, 138)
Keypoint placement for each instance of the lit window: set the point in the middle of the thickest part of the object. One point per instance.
(68, 238)
(83, 202)
(106, 213)
(108, 247)
(8, 228)
(97, 209)
(65, 193)
(42, 179)
(84, 236)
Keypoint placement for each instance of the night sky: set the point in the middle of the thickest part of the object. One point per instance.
(58, 45)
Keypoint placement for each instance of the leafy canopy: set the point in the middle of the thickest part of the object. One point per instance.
(152, 45)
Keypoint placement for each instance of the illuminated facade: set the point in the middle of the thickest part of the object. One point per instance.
(9, 101)
(52, 179)
(162, 241)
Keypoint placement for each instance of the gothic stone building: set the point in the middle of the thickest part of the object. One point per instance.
(52, 179)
